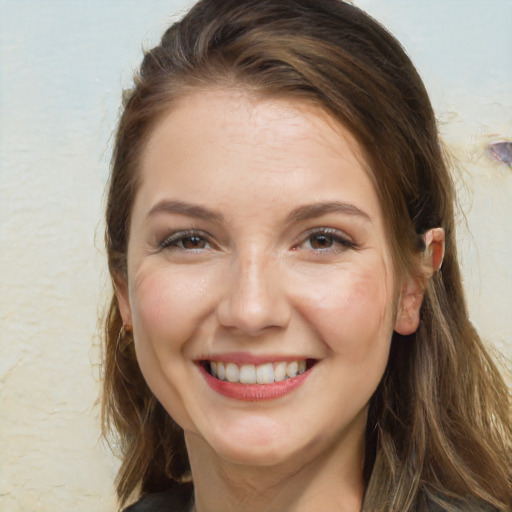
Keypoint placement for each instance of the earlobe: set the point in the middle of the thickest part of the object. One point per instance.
(123, 300)
(411, 295)
(409, 305)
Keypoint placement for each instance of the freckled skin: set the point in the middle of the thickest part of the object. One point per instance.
(259, 286)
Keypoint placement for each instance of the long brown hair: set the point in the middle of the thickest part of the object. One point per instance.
(439, 423)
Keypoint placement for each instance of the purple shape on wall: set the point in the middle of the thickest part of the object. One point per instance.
(501, 152)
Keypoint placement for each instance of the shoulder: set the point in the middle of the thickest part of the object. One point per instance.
(177, 499)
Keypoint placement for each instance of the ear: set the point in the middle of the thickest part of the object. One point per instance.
(434, 249)
(123, 300)
(413, 287)
(409, 304)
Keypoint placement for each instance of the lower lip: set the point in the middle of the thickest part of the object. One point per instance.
(254, 392)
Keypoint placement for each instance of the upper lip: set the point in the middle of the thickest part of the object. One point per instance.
(241, 358)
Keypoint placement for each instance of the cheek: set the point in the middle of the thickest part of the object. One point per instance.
(167, 306)
(353, 313)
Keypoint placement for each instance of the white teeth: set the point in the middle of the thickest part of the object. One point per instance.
(262, 374)
(232, 372)
(265, 374)
(248, 374)
(279, 371)
(221, 371)
(292, 369)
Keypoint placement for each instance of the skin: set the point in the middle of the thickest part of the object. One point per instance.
(263, 279)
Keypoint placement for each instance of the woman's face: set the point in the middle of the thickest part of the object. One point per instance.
(260, 287)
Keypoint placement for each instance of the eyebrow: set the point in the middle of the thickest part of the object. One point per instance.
(311, 211)
(301, 213)
(183, 208)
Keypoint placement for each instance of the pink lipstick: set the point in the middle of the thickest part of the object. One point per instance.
(256, 380)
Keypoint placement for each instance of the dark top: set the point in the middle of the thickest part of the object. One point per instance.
(180, 499)
(177, 499)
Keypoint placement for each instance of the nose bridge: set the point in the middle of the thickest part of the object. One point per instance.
(254, 299)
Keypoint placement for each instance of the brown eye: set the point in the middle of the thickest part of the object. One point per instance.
(321, 241)
(326, 240)
(186, 241)
(193, 242)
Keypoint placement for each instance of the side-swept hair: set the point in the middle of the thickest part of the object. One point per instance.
(439, 423)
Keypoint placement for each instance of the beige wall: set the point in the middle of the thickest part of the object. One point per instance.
(62, 65)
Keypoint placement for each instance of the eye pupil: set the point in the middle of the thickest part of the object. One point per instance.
(321, 241)
(193, 242)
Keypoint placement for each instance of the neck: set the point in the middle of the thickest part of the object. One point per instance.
(332, 480)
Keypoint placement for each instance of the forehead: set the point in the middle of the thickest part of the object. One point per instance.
(220, 135)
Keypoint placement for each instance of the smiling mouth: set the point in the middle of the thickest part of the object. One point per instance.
(266, 373)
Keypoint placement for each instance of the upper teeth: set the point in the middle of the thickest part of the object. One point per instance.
(261, 374)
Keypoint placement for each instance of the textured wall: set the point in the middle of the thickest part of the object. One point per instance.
(62, 66)
(463, 50)
(63, 63)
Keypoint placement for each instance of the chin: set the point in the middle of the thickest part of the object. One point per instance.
(257, 444)
(260, 448)
(256, 455)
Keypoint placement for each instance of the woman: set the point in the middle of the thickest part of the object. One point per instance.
(288, 330)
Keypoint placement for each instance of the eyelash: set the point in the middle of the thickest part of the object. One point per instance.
(333, 235)
(173, 241)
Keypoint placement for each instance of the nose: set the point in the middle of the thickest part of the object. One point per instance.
(254, 298)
